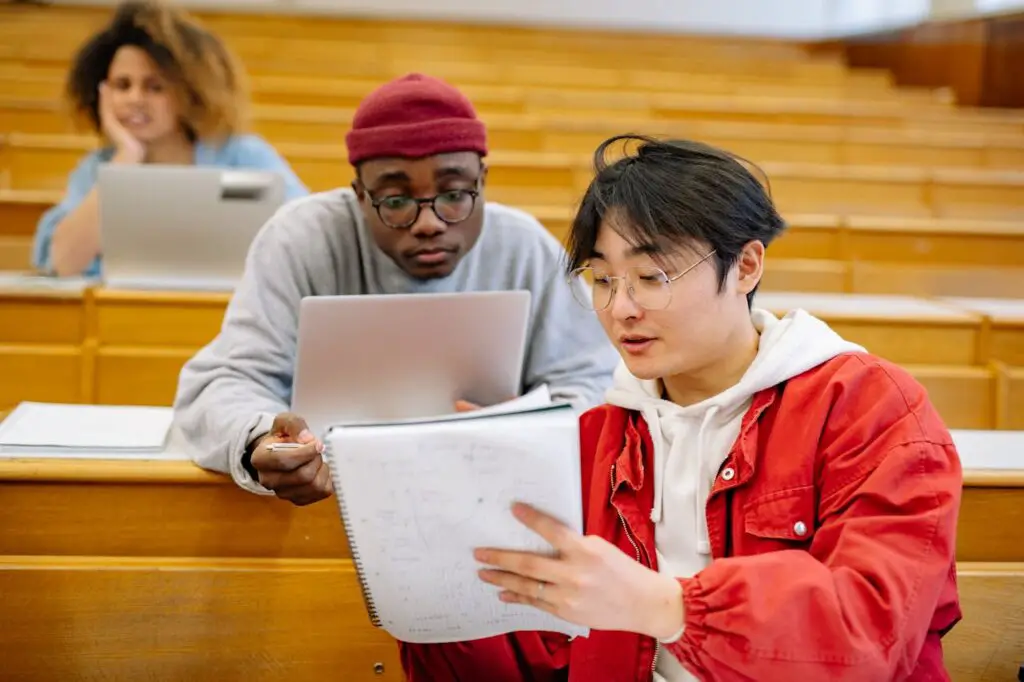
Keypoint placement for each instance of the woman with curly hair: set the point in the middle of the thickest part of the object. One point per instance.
(160, 89)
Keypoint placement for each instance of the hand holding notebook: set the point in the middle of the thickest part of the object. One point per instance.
(418, 497)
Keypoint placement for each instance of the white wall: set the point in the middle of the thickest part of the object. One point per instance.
(789, 18)
(998, 5)
(862, 16)
(802, 19)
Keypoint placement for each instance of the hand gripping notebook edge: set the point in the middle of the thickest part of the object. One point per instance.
(415, 499)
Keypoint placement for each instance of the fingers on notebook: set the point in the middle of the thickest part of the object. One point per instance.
(465, 406)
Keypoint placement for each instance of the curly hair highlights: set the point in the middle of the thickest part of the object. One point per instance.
(208, 77)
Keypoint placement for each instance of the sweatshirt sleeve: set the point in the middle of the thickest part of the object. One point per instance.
(859, 604)
(80, 183)
(568, 350)
(231, 390)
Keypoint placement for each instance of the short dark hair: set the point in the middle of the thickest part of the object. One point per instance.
(207, 75)
(675, 192)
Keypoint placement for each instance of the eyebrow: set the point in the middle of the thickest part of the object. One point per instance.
(391, 177)
(449, 171)
(639, 250)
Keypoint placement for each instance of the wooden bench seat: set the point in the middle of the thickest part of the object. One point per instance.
(927, 279)
(1011, 394)
(902, 329)
(17, 80)
(214, 620)
(536, 178)
(20, 212)
(1005, 320)
(122, 347)
(159, 558)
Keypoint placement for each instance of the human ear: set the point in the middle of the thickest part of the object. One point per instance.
(749, 267)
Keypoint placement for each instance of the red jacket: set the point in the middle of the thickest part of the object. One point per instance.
(832, 523)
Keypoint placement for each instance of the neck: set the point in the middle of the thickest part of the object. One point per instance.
(721, 374)
(175, 150)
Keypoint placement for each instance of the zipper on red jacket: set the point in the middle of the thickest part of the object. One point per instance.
(636, 548)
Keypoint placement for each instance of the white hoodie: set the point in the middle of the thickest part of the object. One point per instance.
(691, 443)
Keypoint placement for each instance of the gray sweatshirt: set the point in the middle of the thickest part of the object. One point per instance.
(229, 393)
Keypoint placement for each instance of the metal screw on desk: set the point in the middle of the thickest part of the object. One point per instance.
(378, 668)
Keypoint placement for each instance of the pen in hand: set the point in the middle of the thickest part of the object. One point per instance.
(278, 447)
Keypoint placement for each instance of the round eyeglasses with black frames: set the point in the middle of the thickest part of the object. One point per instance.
(401, 212)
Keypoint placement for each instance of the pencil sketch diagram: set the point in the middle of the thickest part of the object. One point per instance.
(462, 488)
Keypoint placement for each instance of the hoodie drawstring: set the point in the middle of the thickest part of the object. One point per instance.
(704, 481)
(654, 425)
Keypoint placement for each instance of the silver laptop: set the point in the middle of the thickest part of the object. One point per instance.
(181, 227)
(400, 356)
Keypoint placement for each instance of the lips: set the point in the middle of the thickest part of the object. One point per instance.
(434, 255)
(135, 120)
(635, 344)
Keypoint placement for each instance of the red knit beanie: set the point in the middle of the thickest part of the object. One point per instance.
(412, 117)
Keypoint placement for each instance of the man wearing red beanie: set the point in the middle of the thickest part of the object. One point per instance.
(414, 220)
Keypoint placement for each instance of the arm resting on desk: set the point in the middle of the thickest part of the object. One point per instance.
(229, 393)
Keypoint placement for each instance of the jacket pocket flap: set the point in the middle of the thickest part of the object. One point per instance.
(782, 515)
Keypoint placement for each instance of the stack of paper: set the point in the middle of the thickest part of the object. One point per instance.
(58, 430)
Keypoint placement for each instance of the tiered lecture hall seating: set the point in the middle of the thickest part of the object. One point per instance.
(905, 234)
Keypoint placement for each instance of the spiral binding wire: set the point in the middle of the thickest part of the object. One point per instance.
(371, 607)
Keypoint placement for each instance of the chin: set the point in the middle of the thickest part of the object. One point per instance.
(429, 272)
(645, 369)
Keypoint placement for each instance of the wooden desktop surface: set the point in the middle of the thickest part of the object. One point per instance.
(159, 569)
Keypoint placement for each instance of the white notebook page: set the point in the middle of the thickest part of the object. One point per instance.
(420, 498)
(86, 427)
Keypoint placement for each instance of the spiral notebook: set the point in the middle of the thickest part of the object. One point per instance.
(417, 497)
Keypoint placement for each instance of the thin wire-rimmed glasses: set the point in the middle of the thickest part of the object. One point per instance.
(400, 212)
(648, 286)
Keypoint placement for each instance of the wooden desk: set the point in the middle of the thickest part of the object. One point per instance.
(100, 346)
(902, 329)
(42, 345)
(142, 339)
(1004, 319)
(162, 571)
(20, 212)
(116, 347)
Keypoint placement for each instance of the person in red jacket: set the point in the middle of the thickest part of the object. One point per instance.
(762, 499)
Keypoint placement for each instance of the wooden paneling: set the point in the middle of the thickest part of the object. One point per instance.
(159, 509)
(917, 279)
(978, 58)
(190, 619)
(1014, 395)
(198, 579)
(51, 373)
(138, 375)
(964, 396)
(988, 644)
(164, 319)
(816, 275)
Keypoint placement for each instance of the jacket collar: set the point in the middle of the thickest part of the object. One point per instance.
(629, 466)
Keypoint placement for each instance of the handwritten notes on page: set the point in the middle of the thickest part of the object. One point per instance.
(418, 498)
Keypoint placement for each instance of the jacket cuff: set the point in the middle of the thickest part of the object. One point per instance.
(695, 609)
(256, 429)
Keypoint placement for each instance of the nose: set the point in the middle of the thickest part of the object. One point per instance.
(622, 306)
(427, 225)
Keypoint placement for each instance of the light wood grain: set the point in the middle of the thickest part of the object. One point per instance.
(988, 644)
(191, 619)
